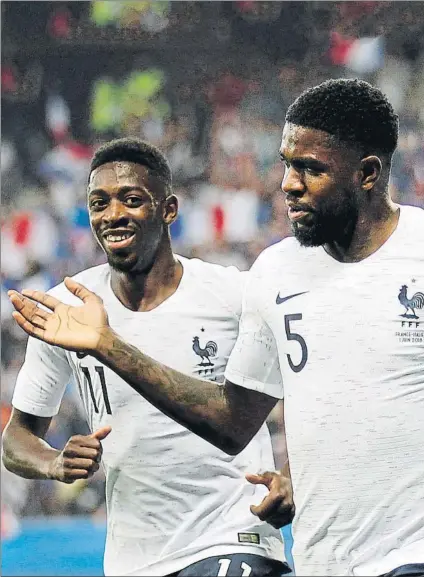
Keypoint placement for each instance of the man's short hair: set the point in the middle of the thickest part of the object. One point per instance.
(351, 110)
(137, 151)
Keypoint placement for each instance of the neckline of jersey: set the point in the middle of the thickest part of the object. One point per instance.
(163, 305)
(377, 253)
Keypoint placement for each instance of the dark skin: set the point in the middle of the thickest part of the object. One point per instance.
(344, 194)
(27, 454)
(320, 177)
(123, 196)
(124, 200)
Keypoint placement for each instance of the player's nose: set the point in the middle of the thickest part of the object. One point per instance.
(292, 183)
(115, 212)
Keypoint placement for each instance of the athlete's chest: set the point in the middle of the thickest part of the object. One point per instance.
(349, 320)
(193, 341)
(196, 341)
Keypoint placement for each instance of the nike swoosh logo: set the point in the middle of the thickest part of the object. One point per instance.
(81, 355)
(280, 300)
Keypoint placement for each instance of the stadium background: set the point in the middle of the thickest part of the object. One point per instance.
(209, 83)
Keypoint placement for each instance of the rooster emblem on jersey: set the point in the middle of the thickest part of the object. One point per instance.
(416, 302)
(210, 350)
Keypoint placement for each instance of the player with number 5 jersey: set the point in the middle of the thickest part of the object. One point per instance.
(333, 320)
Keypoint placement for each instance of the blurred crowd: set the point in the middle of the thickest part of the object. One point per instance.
(207, 82)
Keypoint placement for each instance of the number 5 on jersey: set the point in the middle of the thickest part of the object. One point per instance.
(101, 372)
(292, 336)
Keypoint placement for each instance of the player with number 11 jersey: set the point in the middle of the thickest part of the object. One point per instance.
(173, 500)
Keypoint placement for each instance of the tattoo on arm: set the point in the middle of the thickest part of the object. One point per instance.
(220, 414)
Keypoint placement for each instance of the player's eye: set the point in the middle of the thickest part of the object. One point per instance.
(311, 171)
(97, 203)
(134, 200)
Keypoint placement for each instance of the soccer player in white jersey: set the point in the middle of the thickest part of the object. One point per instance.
(175, 504)
(333, 320)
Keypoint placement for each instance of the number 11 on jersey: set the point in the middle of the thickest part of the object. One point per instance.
(101, 372)
(224, 565)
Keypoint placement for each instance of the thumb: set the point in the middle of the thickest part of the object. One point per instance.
(102, 433)
(254, 509)
(79, 290)
(259, 479)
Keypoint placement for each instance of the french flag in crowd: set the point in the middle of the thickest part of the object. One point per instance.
(361, 55)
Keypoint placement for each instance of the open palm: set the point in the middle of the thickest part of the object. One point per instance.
(75, 328)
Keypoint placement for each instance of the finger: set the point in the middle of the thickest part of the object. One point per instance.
(16, 299)
(268, 506)
(29, 310)
(71, 475)
(44, 299)
(260, 479)
(102, 433)
(284, 514)
(80, 290)
(37, 322)
(79, 463)
(21, 303)
(92, 453)
(28, 327)
(79, 442)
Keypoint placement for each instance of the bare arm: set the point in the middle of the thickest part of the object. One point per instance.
(25, 452)
(227, 416)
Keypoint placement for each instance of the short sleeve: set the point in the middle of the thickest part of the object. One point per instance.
(253, 362)
(225, 283)
(42, 379)
(234, 285)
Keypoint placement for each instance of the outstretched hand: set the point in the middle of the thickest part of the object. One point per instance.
(75, 328)
(277, 508)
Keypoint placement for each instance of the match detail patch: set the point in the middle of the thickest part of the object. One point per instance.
(252, 538)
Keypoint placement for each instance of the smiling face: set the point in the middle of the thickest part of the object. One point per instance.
(322, 185)
(129, 214)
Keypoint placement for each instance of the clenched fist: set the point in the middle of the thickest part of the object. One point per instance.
(80, 458)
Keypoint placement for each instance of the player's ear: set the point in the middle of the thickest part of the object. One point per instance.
(170, 209)
(370, 172)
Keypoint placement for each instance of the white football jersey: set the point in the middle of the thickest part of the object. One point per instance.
(347, 342)
(172, 498)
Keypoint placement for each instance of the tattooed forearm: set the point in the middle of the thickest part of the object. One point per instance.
(205, 408)
(180, 387)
